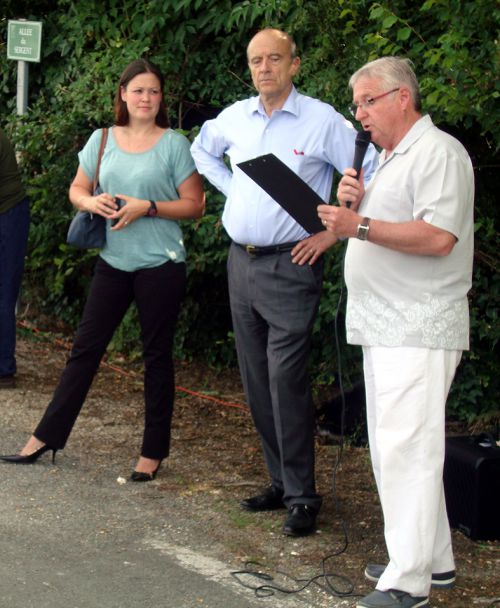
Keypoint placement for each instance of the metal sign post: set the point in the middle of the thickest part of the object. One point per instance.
(24, 44)
(22, 87)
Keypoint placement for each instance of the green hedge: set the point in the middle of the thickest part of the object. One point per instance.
(200, 46)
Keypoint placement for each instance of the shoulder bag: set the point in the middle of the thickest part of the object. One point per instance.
(88, 230)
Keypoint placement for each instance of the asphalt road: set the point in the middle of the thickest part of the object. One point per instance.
(73, 536)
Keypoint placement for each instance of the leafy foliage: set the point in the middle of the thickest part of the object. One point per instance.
(200, 46)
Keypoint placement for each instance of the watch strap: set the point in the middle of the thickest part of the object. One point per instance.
(153, 209)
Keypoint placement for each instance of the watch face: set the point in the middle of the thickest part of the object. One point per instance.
(152, 211)
(363, 228)
(362, 232)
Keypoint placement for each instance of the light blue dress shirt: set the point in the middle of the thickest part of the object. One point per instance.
(309, 136)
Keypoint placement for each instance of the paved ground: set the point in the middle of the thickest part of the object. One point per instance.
(74, 537)
(78, 534)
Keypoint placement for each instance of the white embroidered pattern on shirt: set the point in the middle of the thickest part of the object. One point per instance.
(433, 322)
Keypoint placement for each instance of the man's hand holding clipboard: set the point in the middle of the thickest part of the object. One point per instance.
(297, 198)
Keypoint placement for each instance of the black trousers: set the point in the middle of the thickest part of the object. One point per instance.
(158, 293)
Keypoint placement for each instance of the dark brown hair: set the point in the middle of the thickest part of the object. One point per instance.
(139, 66)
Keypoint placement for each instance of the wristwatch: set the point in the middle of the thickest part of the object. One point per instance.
(363, 228)
(153, 209)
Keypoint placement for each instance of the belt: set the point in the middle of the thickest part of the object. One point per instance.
(254, 251)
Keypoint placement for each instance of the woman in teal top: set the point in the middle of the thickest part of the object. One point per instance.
(149, 182)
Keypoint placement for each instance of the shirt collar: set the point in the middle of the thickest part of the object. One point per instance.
(291, 104)
(419, 128)
(414, 134)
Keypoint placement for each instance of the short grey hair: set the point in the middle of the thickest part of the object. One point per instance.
(393, 72)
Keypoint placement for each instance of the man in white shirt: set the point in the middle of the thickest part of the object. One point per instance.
(274, 266)
(408, 273)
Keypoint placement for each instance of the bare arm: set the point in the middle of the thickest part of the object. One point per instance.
(81, 196)
(190, 205)
(416, 237)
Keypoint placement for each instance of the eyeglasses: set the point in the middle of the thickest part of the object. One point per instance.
(368, 103)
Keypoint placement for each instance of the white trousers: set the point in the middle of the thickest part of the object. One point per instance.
(406, 392)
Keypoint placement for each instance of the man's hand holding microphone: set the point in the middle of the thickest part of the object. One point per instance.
(343, 220)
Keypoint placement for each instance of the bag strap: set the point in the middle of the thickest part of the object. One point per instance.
(104, 138)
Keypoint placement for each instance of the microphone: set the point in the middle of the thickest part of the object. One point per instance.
(363, 138)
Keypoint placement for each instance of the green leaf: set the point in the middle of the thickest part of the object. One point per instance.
(389, 21)
(404, 33)
(377, 12)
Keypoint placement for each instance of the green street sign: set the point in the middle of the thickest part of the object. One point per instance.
(24, 40)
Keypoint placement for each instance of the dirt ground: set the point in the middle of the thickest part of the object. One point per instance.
(216, 461)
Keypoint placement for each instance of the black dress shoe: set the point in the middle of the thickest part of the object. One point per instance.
(301, 520)
(140, 476)
(269, 500)
(30, 458)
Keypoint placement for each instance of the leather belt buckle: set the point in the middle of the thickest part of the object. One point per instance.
(250, 249)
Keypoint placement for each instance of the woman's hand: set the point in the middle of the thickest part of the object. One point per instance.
(128, 211)
(103, 204)
(189, 205)
(80, 195)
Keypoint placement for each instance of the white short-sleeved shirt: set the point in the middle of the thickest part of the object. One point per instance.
(401, 299)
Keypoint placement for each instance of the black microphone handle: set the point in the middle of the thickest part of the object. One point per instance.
(360, 146)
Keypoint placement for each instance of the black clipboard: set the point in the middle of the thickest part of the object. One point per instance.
(286, 188)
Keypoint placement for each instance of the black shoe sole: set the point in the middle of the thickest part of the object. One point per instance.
(299, 532)
(250, 509)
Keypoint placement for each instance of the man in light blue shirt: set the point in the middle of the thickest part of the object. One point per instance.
(275, 285)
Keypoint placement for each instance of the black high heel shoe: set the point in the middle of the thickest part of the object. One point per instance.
(30, 458)
(140, 476)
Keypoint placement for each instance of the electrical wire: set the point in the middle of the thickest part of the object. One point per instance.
(131, 374)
